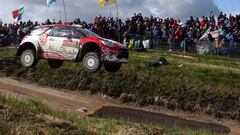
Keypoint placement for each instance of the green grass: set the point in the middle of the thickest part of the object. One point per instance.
(7, 53)
(214, 69)
(33, 117)
(224, 70)
(196, 83)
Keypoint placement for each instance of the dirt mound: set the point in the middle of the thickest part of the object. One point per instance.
(12, 119)
(149, 117)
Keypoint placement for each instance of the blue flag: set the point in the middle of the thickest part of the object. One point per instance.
(49, 2)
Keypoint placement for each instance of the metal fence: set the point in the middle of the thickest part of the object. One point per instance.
(186, 45)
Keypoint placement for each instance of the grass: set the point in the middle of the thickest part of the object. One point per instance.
(33, 117)
(7, 53)
(214, 69)
(195, 83)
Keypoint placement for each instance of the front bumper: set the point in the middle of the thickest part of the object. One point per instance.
(114, 59)
(120, 57)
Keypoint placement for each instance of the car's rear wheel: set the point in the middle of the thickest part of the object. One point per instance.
(28, 58)
(112, 67)
(92, 62)
(55, 64)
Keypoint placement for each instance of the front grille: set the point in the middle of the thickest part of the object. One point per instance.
(123, 54)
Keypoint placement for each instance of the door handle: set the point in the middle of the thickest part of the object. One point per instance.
(51, 39)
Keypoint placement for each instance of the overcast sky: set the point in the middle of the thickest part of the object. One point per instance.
(87, 9)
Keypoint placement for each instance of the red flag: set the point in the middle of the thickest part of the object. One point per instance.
(15, 14)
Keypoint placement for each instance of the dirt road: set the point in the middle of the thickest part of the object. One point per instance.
(79, 102)
(60, 100)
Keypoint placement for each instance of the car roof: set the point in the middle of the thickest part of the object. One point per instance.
(55, 25)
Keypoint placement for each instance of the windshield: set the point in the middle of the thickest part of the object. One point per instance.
(87, 32)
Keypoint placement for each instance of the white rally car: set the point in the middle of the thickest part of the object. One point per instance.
(61, 42)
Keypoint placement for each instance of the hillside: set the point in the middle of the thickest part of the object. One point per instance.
(195, 83)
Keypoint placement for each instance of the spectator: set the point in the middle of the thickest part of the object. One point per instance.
(150, 27)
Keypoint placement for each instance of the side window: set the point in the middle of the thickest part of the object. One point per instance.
(60, 32)
(77, 34)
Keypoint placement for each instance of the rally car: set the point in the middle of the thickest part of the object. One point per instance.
(61, 42)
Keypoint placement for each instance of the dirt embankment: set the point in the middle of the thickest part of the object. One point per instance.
(60, 100)
(94, 105)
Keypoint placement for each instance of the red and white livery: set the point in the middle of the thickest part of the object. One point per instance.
(61, 42)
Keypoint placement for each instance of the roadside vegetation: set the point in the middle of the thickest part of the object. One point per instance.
(28, 117)
(194, 83)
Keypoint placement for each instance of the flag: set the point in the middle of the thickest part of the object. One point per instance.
(49, 2)
(104, 3)
(17, 14)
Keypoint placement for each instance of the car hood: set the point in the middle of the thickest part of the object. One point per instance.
(117, 44)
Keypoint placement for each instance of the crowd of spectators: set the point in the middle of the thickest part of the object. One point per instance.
(139, 26)
(13, 33)
(169, 28)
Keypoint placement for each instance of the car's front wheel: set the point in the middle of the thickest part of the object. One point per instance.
(112, 67)
(92, 62)
(55, 64)
(28, 58)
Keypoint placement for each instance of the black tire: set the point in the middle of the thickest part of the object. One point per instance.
(28, 58)
(92, 62)
(55, 64)
(112, 67)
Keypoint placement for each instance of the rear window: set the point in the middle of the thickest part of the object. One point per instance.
(39, 31)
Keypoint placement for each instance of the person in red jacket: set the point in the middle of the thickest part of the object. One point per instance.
(203, 22)
(178, 34)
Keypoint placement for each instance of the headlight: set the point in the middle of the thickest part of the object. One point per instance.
(106, 43)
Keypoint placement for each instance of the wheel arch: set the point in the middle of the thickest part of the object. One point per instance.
(88, 47)
(27, 45)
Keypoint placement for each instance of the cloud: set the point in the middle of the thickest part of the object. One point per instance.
(37, 10)
(181, 9)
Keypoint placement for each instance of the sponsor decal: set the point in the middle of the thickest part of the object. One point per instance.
(43, 39)
(52, 55)
(63, 50)
(70, 43)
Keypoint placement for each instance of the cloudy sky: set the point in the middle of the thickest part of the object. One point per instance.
(87, 9)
